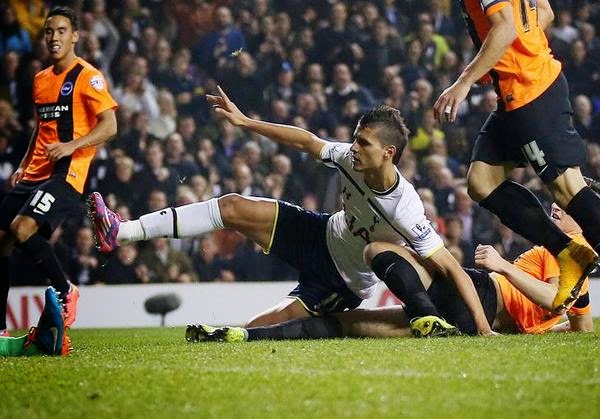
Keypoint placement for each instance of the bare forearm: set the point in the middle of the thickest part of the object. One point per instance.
(101, 133)
(539, 292)
(450, 268)
(288, 135)
(497, 41)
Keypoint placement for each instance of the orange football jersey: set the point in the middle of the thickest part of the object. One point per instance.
(529, 317)
(527, 68)
(67, 105)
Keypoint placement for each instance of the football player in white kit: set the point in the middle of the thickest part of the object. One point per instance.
(379, 205)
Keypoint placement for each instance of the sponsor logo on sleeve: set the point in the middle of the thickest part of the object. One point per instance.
(422, 230)
(97, 82)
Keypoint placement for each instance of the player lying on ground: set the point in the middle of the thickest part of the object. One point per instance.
(517, 298)
(49, 337)
(379, 205)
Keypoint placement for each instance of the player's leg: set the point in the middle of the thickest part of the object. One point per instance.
(48, 337)
(404, 274)
(288, 309)
(582, 203)
(10, 207)
(253, 217)
(494, 154)
(447, 299)
(555, 151)
(380, 322)
(46, 208)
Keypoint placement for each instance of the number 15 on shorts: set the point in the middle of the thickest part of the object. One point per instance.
(41, 202)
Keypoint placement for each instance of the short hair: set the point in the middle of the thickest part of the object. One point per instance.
(390, 126)
(66, 12)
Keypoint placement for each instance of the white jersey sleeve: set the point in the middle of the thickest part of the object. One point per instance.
(414, 226)
(333, 152)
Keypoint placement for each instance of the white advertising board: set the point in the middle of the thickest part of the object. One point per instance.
(212, 303)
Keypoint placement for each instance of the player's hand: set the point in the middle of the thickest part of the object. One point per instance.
(57, 151)
(16, 177)
(445, 108)
(225, 108)
(488, 258)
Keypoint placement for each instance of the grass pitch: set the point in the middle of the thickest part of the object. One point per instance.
(155, 373)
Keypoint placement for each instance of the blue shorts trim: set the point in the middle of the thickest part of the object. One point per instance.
(300, 240)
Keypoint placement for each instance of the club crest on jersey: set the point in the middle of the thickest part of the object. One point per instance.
(66, 88)
(97, 82)
(422, 230)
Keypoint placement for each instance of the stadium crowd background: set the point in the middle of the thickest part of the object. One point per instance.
(316, 64)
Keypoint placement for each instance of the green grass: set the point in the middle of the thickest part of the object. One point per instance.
(155, 373)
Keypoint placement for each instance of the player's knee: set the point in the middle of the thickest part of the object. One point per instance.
(373, 249)
(230, 206)
(22, 229)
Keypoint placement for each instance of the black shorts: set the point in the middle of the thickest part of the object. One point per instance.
(540, 133)
(300, 240)
(48, 202)
(445, 296)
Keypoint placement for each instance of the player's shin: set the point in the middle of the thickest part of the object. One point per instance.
(585, 210)
(403, 280)
(185, 221)
(528, 218)
(308, 328)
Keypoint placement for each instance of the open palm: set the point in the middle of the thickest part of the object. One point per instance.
(225, 108)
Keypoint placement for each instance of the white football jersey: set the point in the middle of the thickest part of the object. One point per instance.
(393, 216)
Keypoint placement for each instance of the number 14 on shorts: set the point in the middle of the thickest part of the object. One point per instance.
(534, 154)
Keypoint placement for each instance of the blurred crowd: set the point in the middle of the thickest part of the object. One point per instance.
(316, 64)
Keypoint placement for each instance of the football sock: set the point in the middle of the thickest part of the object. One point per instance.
(404, 282)
(15, 346)
(307, 328)
(585, 210)
(520, 210)
(185, 221)
(4, 286)
(40, 250)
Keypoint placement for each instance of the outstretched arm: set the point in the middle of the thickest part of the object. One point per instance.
(297, 138)
(540, 292)
(450, 268)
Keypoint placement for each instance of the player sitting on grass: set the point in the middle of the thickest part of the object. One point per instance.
(49, 337)
(517, 298)
(378, 205)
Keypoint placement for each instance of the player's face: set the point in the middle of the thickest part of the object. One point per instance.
(60, 37)
(367, 151)
(563, 220)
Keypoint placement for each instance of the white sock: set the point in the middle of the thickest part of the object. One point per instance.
(185, 221)
(130, 231)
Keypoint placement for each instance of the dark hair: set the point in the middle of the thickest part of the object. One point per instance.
(390, 126)
(66, 12)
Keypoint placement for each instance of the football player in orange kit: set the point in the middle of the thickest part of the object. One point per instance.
(532, 124)
(75, 113)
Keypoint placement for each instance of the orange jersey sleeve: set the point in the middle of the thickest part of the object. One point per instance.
(527, 67)
(530, 317)
(67, 105)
